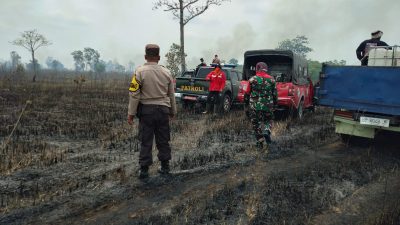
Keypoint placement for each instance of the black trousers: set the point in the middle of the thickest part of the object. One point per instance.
(154, 122)
(213, 101)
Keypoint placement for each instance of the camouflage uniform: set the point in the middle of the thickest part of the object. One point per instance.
(263, 96)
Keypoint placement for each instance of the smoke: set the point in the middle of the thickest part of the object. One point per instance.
(334, 28)
(231, 45)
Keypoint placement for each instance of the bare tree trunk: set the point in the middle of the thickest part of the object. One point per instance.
(182, 26)
(34, 66)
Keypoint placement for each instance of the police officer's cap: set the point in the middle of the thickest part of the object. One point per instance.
(152, 50)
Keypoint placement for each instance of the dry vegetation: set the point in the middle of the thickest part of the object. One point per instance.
(72, 157)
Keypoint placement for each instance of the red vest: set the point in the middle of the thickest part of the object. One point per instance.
(217, 81)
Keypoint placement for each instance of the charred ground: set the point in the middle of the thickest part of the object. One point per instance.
(73, 159)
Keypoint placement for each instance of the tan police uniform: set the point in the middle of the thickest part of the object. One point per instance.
(152, 99)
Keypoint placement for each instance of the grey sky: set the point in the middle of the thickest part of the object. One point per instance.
(119, 29)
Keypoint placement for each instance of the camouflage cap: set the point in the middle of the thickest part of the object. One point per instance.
(152, 50)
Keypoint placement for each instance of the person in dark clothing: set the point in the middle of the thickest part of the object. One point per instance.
(202, 63)
(363, 49)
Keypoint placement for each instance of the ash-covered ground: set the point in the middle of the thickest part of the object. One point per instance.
(73, 159)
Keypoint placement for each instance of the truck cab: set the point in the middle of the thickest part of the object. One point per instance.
(294, 87)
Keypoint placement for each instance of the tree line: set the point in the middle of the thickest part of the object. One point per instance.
(86, 60)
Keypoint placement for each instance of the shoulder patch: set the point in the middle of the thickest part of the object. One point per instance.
(134, 86)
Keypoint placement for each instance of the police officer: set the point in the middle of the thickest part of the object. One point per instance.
(363, 48)
(263, 97)
(151, 98)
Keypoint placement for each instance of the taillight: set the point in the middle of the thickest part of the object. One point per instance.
(244, 87)
(345, 114)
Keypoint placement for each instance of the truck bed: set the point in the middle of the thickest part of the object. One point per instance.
(361, 88)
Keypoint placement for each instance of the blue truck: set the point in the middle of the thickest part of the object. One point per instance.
(365, 99)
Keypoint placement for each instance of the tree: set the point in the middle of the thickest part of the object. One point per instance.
(79, 60)
(91, 57)
(336, 62)
(15, 60)
(174, 59)
(100, 67)
(185, 11)
(297, 45)
(32, 41)
(32, 66)
(131, 67)
(54, 64)
(233, 61)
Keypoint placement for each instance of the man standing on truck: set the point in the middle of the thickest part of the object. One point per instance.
(364, 47)
(216, 60)
(152, 99)
(263, 97)
(217, 80)
(202, 63)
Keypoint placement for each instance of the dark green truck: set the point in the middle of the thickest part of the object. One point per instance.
(192, 88)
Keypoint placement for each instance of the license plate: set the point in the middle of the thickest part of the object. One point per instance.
(190, 98)
(374, 121)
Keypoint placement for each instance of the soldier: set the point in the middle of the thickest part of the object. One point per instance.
(151, 98)
(263, 97)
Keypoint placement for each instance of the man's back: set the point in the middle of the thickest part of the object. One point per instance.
(263, 92)
(156, 84)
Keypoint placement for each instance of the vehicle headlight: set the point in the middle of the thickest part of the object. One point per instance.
(178, 95)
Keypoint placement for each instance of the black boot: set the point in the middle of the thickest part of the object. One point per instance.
(144, 172)
(164, 169)
(259, 145)
(268, 138)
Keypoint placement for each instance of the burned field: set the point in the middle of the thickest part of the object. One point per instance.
(72, 159)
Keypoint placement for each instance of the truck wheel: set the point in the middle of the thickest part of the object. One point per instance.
(355, 140)
(300, 111)
(345, 138)
(226, 103)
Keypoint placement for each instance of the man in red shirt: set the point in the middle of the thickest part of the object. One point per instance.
(217, 80)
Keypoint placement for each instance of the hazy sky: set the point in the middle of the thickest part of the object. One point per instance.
(119, 29)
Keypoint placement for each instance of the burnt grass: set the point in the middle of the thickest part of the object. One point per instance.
(72, 154)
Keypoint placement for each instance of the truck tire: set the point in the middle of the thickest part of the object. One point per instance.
(299, 112)
(226, 103)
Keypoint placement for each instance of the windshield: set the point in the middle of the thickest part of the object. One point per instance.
(280, 67)
(187, 74)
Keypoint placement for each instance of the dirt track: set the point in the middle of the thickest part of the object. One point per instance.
(73, 160)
